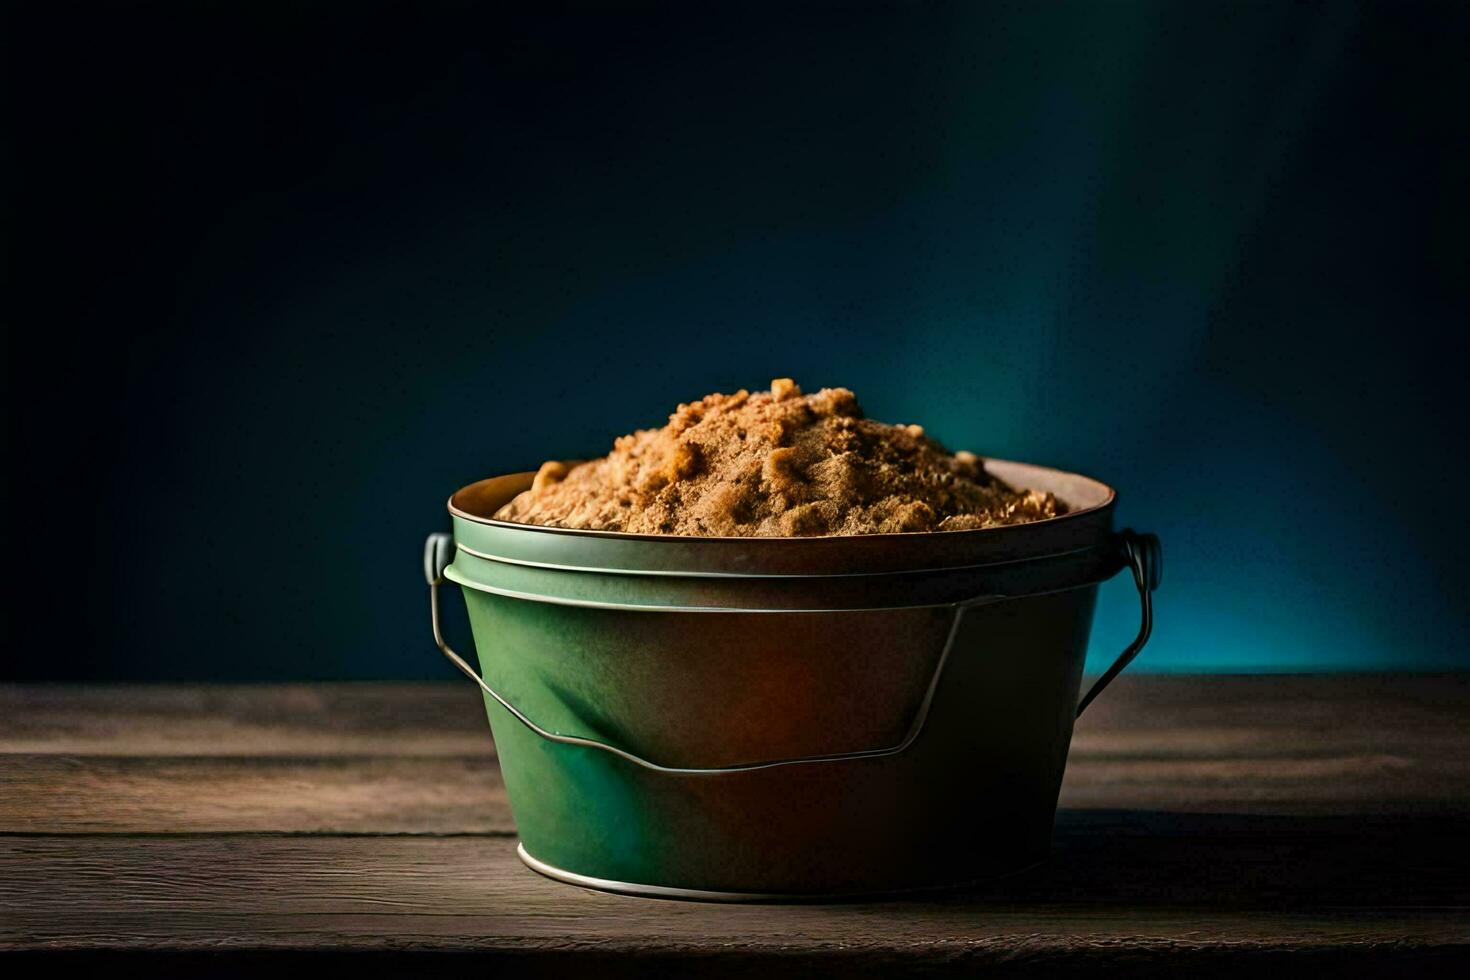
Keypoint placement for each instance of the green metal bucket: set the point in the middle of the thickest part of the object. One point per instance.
(783, 718)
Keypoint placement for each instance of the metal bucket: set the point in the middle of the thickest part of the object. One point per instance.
(783, 718)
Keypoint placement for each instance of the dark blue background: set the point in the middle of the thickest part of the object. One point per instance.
(281, 277)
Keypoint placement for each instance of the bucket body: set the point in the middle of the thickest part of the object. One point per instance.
(841, 716)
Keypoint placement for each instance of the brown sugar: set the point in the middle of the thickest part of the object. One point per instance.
(776, 463)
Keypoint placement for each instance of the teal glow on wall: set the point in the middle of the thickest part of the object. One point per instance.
(1211, 253)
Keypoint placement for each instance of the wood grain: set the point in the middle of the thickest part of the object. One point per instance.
(1208, 826)
(309, 720)
(270, 794)
(1122, 890)
(356, 758)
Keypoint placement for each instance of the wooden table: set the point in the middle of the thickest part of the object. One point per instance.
(1208, 825)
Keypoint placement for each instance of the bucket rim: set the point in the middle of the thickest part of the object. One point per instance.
(1109, 499)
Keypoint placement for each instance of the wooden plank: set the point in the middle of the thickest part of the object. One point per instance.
(1210, 826)
(1191, 716)
(308, 720)
(271, 794)
(68, 794)
(1121, 890)
(1269, 744)
(1009, 957)
(1129, 859)
(295, 759)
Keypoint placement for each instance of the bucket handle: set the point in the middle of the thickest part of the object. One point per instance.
(1141, 551)
(1146, 560)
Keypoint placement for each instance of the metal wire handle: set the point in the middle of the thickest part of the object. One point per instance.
(1142, 551)
(1146, 558)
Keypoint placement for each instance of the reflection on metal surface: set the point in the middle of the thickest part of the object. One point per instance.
(1144, 558)
(915, 727)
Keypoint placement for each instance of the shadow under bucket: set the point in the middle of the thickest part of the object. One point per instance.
(785, 718)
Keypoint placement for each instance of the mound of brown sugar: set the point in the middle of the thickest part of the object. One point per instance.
(776, 463)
